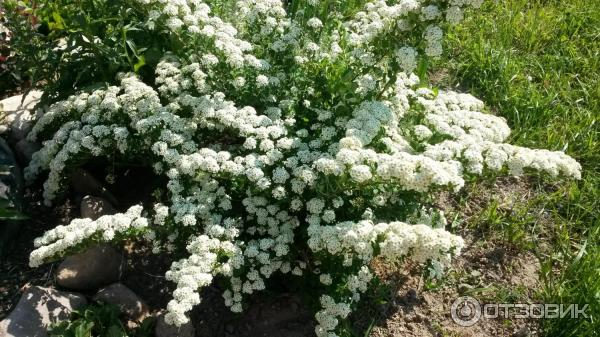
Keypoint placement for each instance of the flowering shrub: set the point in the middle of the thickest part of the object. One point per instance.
(296, 140)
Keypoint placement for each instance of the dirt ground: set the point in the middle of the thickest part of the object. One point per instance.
(421, 310)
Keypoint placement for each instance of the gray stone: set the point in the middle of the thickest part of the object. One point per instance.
(37, 309)
(85, 183)
(95, 207)
(128, 302)
(19, 115)
(25, 149)
(92, 269)
(163, 329)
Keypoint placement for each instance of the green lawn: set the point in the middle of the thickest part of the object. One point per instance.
(537, 63)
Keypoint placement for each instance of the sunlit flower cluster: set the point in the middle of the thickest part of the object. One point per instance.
(394, 240)
(57, 241)
(292, 141)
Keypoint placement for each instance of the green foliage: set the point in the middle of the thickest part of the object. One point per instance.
(11, 194)
(11, 74)
(8, 207)
(8, 212)
(99, 320)
(67, 45)
(537, 63)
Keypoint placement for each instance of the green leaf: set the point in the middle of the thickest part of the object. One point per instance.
(84, 329)
(59, 23)
(11, 214)
(132, 46)
(115, 331)
(422, 69)
(140, 63)
(146, 328)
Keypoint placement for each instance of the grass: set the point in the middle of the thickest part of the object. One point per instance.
(537, 63)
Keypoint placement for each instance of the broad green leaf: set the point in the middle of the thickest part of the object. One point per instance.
(140, 63)
(58, 23)
(84, 329)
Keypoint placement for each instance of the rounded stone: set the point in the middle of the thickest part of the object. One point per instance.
(128, 302)
(37, 309)
(95, 207)
(94, 268)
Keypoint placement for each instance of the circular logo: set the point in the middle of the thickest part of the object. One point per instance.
(465, 311)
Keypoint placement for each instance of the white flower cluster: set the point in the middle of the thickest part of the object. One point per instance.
(400, 21)
(194, 17)
(95, 132)
(57, 241)
(394, 240)
(476, 139)
(196, 272)
(289, 159)
(329, 316)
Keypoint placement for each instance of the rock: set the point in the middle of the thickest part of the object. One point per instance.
(25, 149)
(84, 183)
(163, 329)
(128, 302)
(95, 207)
(19, 115)
(92, 269)
(37, 309)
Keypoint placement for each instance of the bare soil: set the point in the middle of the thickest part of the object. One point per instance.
(420, 309)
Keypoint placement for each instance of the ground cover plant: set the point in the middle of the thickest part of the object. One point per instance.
(100, 320)
(536, 64)
(296, 139)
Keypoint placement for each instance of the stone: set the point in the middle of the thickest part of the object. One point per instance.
(19, 115)
(94, 268)
(128, 302)
(37, 309)
(162, 329)
(95, 207)
(25, 149)
(84, 183)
